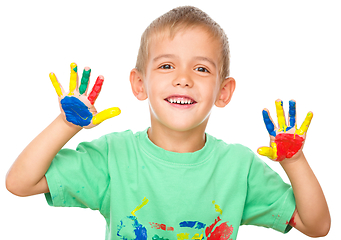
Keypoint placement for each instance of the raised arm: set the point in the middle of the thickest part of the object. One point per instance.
(311, 216)
(27, 175)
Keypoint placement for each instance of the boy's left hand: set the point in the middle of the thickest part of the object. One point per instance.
(285, 141)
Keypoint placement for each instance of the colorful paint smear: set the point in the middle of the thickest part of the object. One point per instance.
(193, 224)
(156, 237)
(96, 89)
(129, 226)
(161, 226)
(270, 152)
(280, 116)
(55, 84)
(106, 114)
(76, 111)
(223, 231)
(85, 80)
(73, 78)
(182, 236)
(198, 236)
(217, 208)
(292, 114)
(268, 123)
(305, 125)
(292, 220)
(288, 145)
(144, 202)
(285, 145)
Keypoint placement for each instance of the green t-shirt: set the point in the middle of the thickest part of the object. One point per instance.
(146, 192)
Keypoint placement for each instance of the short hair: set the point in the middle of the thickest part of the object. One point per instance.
(181, 18)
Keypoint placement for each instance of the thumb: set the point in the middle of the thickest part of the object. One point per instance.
(270, 152)
(105, 114)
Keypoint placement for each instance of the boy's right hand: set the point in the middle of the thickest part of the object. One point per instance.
(78, 107)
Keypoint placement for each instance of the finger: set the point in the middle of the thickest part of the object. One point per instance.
(96, 89)
(85, 80)
(280, 115)
(73, 78)
(56, 84)
(269, 123)
(305, 125)
(106, 114)
(292, 114)
(270, 152)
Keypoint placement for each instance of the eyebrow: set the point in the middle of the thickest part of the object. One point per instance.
(205, 59)
(164, 56)
(174, 56)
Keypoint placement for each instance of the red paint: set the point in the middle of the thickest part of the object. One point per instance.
(161, 226)
(223, 231)
(288, 145)
(96, 90)
(292, 220)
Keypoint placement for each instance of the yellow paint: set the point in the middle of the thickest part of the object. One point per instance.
(55, 84)
(280, 116)
(270, 152)
(182, 236)
(217, 208)
(106, 114)
(305, 125)
(73, 78)
(144, 202)
(197, 236)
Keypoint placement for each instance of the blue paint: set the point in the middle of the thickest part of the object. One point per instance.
(292, 114)
(192, 224)
(268, 124)
(130, 227)
(76, 111)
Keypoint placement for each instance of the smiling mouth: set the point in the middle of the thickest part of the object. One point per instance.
(180, 100)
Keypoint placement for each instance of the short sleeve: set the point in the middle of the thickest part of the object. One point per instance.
(270, 202)
(80, 178)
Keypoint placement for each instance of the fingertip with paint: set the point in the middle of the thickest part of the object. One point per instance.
(268, 123)
(85, 80)
(292, 103)
(51, 75)
(55, 84)
(73, 67)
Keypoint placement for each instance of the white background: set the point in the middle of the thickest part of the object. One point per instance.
(279, 49)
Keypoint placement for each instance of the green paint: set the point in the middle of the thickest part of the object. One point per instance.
(156, 237)
(84, 81)
(75, 69)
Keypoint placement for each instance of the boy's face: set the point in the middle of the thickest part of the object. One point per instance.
(182, 79)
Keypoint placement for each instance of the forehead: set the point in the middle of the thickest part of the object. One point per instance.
(198, 41)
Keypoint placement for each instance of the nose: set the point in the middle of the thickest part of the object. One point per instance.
(183, 80)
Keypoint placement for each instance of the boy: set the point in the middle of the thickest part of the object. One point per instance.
(172, 181)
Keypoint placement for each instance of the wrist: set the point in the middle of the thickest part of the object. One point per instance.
(70, 127)
(298, 157)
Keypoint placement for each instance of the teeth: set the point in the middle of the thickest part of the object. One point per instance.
(180, 101)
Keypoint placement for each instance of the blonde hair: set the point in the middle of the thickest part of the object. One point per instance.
(181, 18)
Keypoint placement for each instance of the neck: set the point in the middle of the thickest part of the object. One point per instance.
(178, 141)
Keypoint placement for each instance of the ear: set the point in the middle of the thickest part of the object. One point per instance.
(137, 86)
(226, 92)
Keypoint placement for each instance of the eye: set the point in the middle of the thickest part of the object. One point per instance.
(167, 66)
(201, 69)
